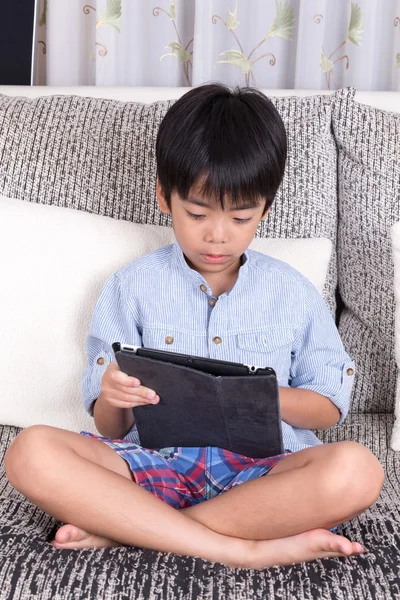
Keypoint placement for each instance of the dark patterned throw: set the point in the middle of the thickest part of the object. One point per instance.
(30, 568)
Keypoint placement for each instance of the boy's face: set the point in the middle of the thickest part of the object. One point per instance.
(212, 239)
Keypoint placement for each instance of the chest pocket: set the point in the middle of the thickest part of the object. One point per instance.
(174, 341)
(270, 347)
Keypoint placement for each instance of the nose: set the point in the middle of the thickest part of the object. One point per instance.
(216, 232)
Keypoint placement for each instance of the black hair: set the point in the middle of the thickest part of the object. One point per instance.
(234, 138)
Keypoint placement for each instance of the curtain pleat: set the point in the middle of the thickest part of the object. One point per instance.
(281, 44)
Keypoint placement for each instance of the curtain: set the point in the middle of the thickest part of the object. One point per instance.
(276, 44)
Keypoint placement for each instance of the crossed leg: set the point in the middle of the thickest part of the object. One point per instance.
(83, 482)
(322, 486)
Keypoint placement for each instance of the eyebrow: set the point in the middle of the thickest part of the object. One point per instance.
(205, 205)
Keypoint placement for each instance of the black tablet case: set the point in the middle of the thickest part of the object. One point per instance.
(241, 414)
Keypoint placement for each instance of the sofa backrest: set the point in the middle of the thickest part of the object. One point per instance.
(306, 205)
(380, 99)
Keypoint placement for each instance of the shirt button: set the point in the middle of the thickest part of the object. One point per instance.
(212, 302)
(203, 287)
(100, 361)
(217, 340)
(169, 339)
(350, 371)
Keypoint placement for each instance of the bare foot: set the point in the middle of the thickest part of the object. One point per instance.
(304, 547)
(317, 543)
(71, 537)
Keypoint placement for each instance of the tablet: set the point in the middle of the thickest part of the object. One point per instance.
(204, 402)
(212, 366)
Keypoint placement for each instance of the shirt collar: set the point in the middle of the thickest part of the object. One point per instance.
(178, 259)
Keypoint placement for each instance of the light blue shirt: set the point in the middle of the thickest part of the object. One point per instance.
(273, 316)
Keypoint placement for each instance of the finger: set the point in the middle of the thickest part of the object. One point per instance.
(131, 394)
(120, 402)
(124, 379)
(134, 391)
(131, 401)
(124, 389)
(131, 385)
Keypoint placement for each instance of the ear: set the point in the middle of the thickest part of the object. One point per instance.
(266, 214)
(161, 198)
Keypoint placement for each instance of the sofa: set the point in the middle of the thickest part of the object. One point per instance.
(77, 202)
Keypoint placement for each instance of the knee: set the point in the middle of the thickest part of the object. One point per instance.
(356, 475)
(22, 452)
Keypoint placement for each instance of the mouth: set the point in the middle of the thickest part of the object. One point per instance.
(215, 258)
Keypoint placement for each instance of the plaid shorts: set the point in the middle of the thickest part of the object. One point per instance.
(182, 477)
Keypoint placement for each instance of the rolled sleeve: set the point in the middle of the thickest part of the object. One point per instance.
(319, 361)
(93, 375)
(111, 322)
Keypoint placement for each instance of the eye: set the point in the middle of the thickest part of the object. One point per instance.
(242, 220)
(193, 216)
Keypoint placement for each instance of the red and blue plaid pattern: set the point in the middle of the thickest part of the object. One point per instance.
(183, 477)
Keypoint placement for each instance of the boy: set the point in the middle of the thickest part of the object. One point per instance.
(220, 160)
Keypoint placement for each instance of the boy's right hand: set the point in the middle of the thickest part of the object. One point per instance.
(122, 390)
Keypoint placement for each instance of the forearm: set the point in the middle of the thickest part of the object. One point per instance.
(112, 421)
(305, 409)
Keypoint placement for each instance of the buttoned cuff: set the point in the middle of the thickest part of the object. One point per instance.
(93, 378)
(342, 397)
(329, 376)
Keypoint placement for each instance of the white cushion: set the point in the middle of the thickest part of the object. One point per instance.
(395, 236)
(54, 263)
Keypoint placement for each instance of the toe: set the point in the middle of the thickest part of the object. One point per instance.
(348, 548)
(338, 543)
(325, 541)
(341, 544)
(70, 533)
(358, 548)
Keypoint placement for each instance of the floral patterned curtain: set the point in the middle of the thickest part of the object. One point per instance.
(276, 44)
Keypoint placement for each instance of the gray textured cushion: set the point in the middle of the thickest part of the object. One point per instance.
(99, 155)
(31, 568)
(369, 203)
